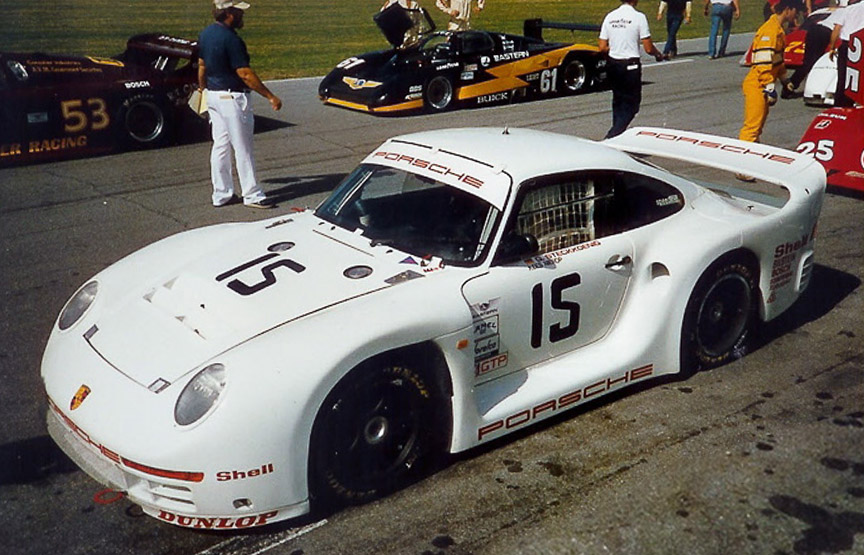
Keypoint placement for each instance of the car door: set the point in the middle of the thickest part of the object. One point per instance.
(563, 296)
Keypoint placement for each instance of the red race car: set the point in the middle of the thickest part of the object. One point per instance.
(836, 136)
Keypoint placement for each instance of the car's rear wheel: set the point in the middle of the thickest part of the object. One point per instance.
(372, 434)
(438, 94)
(573, 76)
(144, 122)
(720, 316)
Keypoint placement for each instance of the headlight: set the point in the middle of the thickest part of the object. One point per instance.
(200, 395)
(78, 305)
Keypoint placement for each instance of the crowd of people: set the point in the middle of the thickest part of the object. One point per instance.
(224, 69)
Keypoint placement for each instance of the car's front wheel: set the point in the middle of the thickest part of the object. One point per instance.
(438, 94)
(372, 434)
(719, 317)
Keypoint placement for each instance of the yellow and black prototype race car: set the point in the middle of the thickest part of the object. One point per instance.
(57, 106)
(436, 71)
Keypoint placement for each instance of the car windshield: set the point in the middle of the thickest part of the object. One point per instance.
(412, 213)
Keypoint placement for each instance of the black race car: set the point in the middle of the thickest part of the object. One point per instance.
(55, 106)
(436, 71)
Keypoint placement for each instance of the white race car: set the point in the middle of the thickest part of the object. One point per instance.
(457, 286)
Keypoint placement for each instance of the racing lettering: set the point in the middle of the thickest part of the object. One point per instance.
(57, 143)
(13, 149)
(245, 289)
(551, 406)
(216, 523)
(557, 331)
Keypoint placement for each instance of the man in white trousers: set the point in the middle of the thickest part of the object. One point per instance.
(459, 12)
(223, 69)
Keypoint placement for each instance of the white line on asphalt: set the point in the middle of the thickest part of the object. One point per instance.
(226, 546)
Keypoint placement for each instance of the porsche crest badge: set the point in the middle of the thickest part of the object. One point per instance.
(79, 397)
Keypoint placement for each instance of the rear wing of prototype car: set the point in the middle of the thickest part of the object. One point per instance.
(155, 49)
(533, 28)
(799, 174)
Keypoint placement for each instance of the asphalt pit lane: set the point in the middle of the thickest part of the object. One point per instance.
(829, 532)
(824, 395)
(443, 542)
(554, 469)
(513, 466)
(762, 446)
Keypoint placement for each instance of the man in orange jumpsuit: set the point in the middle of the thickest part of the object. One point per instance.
(758, 87)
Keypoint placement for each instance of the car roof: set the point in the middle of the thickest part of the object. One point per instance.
(523, 153)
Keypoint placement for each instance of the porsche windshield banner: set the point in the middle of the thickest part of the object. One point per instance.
(470, 176)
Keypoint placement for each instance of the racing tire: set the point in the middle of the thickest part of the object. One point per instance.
(144, 122)
(374, 434)
(438, 94)
(574, 76)
(720, 316)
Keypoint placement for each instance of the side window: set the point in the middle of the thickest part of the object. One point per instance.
(559, 211)
(641, 200)
(476, 42)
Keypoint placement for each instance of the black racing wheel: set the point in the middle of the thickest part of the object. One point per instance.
(372, 434)
(438, 95)
(720, 316)
(144, 122)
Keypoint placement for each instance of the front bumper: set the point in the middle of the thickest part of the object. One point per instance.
(180, 499)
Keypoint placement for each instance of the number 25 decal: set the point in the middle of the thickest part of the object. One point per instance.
(822, 150)
(557, 332)
(267, 272)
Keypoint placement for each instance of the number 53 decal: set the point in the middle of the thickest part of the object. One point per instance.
(78, 117)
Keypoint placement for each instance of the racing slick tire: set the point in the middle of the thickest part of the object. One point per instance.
(375, 433)
(720, 316)
(574, 76)
(144, 122)
(438, 94)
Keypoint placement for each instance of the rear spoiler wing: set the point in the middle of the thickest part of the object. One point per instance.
(799, 174)
(533, 28)
(152, 45)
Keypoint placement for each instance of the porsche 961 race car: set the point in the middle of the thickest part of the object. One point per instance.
(457, 286)
(440, 70)
(54, 106)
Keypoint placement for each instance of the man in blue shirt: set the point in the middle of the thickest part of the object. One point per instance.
(223, 69)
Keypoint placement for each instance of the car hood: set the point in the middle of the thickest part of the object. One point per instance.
(268, 275)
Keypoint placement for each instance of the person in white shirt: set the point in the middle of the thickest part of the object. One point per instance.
(459, 12)
(850, 20)
(621, 33)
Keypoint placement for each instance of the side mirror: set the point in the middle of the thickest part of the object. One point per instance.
(515, 246)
